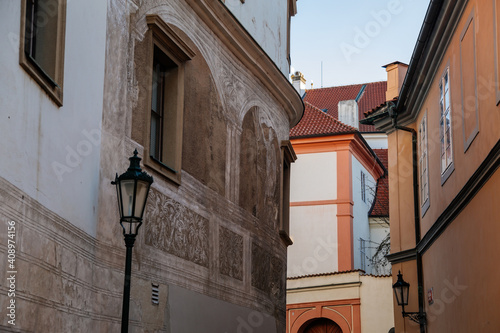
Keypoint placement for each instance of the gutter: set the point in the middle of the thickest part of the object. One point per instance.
(423, 37)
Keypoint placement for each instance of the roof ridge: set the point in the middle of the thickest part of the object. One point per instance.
(348, 85)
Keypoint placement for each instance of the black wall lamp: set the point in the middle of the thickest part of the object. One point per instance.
(401, 290)
(132, 189)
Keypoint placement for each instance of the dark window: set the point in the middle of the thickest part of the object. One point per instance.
(42, 46)
(163, 109)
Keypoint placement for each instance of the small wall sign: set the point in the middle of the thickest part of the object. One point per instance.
(430, 296)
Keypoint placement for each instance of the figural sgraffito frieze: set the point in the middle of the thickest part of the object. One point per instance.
(231, 253)
(268, 273)
(175, 229)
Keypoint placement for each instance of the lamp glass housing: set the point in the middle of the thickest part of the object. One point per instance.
(132, 188)
(401, 290)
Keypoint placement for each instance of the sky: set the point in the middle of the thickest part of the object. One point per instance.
(347, 42)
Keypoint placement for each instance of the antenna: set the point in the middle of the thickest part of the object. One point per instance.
(321, 74)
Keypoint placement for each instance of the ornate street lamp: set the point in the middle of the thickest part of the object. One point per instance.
(401, 290)
(132, 188)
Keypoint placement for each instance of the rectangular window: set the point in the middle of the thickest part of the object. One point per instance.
(162, 104)
(42, 43)
(423, 166)
(363, 186)
(163, 109)
(445, 127)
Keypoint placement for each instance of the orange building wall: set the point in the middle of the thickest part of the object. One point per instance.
(489, 114)
(401, 213)
(461, 266)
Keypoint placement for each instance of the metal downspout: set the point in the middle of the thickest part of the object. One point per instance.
(416, 209)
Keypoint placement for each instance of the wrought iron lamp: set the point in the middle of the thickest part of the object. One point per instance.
(132, 188)
(401, 290)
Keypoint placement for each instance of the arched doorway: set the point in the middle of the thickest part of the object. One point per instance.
(323, 325)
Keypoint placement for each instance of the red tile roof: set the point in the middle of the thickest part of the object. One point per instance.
(326, 274)
(380, 207)
(316, 122)
(378, 107)
(329, 98)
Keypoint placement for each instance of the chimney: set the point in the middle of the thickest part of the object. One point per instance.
(299, 83)
(396, 72)
(348, 113)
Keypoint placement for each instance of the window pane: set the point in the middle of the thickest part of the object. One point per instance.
(447, 99)
(154, 97)
(43, 43)
(154, 136)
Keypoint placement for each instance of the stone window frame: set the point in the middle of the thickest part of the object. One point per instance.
(288, 157)
(165, 39)
(53, 86)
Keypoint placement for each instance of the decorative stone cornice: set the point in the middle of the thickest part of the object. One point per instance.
(234, 36)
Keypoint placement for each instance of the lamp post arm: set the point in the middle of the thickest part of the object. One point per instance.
(416, 317)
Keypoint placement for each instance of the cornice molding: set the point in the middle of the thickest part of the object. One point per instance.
(402, 256)
(431, 58)
(489, 166)
(234, 36)
(462, 199)
(353, 142)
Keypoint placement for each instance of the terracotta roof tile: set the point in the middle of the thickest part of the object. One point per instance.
(380, 207)
(378, 107)
(329, 98)
(317, 122)
(326, 274)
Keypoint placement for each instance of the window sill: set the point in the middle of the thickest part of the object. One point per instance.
(162, 169)
(447, 173)
(425, 207)
(47, 84)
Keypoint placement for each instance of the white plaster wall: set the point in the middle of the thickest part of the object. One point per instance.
(360, 210)
(313, 230)
(377, 312)
(37, 134)
(314, 177)
(267, 22)
(379, 229)
(376, 140)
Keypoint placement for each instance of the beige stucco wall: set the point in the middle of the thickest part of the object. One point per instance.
(374, 294)
(376, 304)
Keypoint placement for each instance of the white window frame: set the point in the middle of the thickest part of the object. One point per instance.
(363, 186)
(423, 165)
(445, 127)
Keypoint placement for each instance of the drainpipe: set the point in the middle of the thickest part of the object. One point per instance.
(416, 209)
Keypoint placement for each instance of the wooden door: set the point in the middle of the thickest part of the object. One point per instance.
(323, 325)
